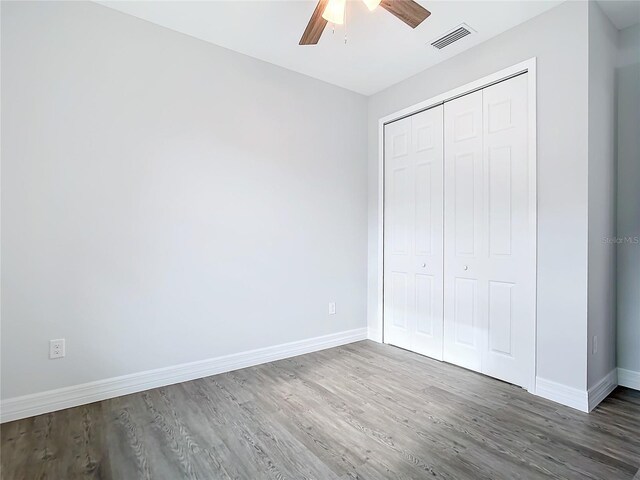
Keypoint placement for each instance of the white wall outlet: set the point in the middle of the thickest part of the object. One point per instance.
(594, 346)
(56, 348)
(332, 308)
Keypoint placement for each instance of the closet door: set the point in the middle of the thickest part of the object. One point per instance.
(413, 259)
(464, 233)
(489, 234)
(510, 234)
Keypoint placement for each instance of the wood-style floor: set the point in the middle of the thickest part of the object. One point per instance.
(362, 411)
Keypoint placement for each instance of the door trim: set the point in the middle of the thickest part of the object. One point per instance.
(376, 322)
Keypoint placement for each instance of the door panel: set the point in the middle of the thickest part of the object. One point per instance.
(398, 225)
(401, 203)
(511, 266)
(465, 166)
(489, 270)
(500, 200)
(465, 312)
(463, 235)
(500, 317)
(424, 219)
(424, 304)
(399, 299)
(413, 233)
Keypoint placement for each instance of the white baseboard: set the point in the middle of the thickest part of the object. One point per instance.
(602, 389)
(629, 378)
(52, 400)
(557, 392)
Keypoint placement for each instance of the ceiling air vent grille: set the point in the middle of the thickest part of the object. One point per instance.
(453, 36)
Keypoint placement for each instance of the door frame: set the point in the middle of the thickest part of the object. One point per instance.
(528, 66)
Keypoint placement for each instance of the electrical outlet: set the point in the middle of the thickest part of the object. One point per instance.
(56, 348)
(594, 346)
(332, 308)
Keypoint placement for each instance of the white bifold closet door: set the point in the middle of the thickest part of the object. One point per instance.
(489, 233)
(413, 253)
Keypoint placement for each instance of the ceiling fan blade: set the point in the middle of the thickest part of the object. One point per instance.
(315, 26)
(410, 12)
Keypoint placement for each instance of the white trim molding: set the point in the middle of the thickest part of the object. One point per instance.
(52, 400)
(629, 378)
(603, 388)
(559, 393)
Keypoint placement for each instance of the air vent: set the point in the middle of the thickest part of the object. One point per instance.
(453, 36)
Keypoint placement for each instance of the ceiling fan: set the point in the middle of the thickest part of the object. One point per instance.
(409, 11)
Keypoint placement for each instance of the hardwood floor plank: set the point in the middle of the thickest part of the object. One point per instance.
(65, 444)
(361, 411)
(126, 438)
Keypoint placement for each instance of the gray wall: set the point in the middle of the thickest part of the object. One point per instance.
(603, 48)
(559, 40)
(628, 200)
(165, 200)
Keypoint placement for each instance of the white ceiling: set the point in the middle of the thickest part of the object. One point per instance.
(622, 13)
(380, 51)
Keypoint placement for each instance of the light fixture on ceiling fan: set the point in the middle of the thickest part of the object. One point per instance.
(409, 11)
(335, 10)
(371, 4)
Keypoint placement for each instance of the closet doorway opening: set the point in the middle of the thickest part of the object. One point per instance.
(459, 223)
